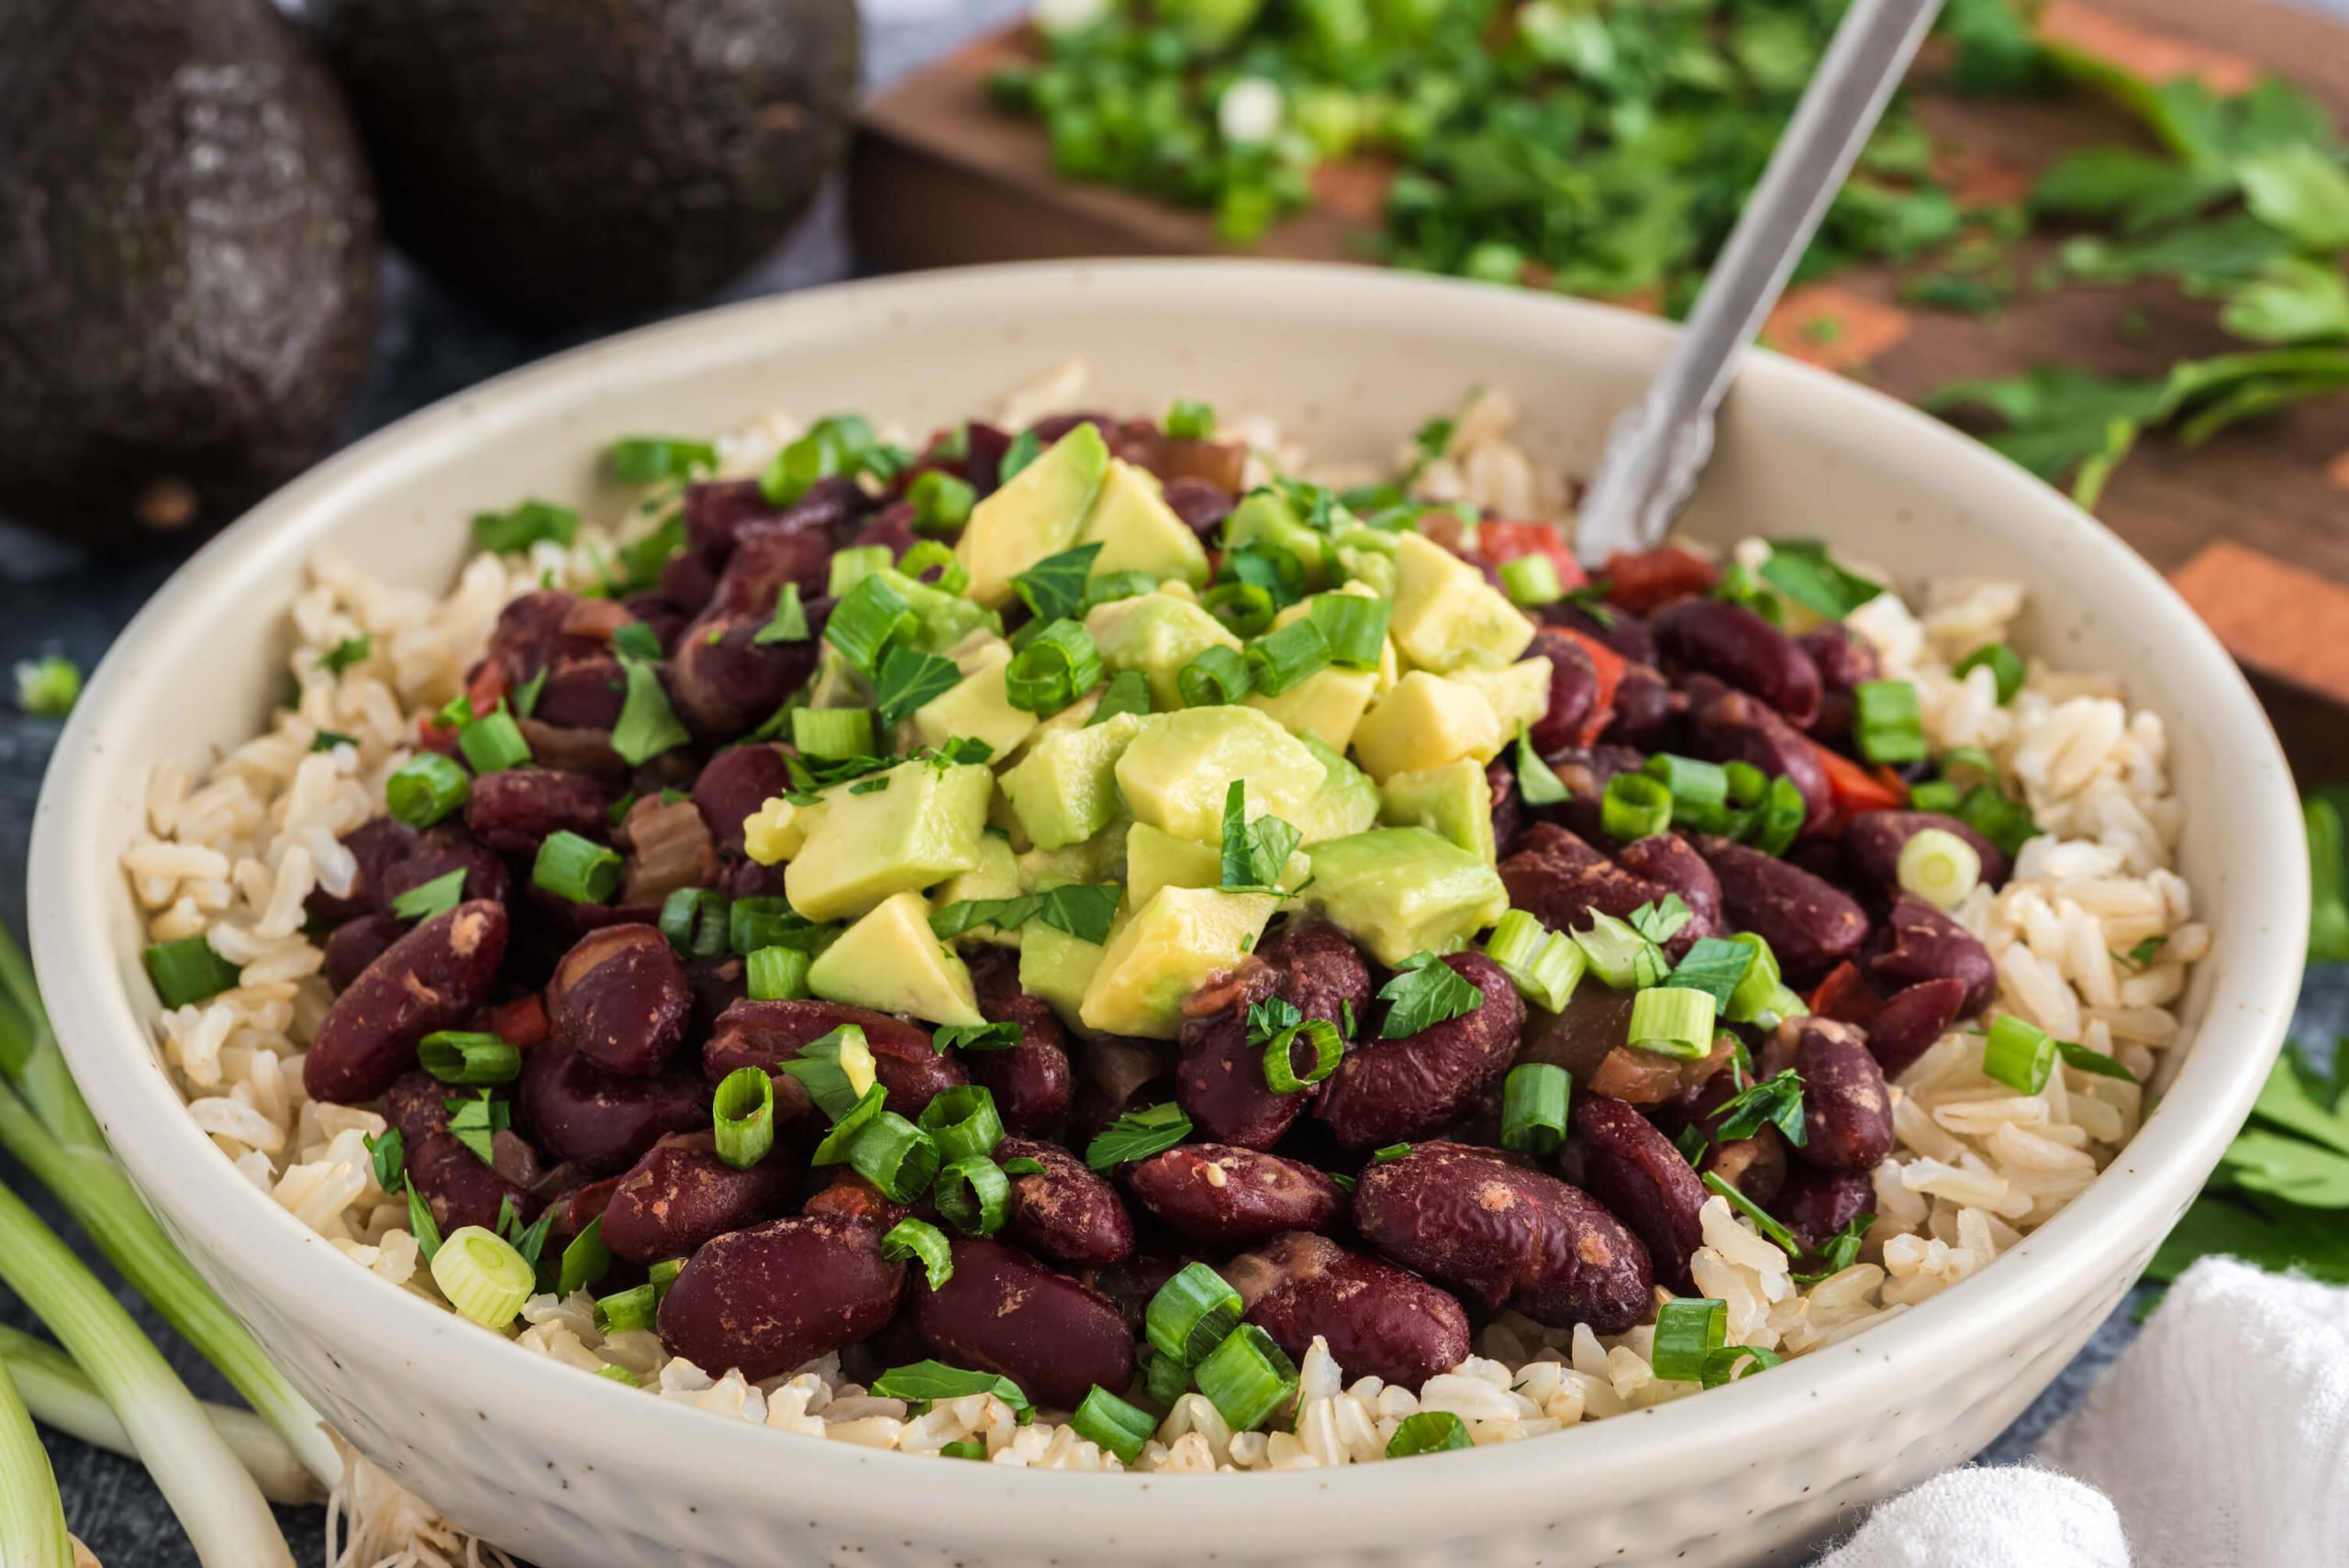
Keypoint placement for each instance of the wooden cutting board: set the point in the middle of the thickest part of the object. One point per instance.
(2254, 526)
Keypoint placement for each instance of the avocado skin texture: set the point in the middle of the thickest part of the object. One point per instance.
(566, 160)
(187, 261)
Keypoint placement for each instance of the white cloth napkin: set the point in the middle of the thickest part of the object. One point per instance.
(2219, 1439)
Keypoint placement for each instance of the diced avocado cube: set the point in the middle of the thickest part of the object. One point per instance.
(1037, 513)
(1156, 634)
(1455, 800)
(1326, 704)
(1425, 722)
(1366, 557)
(1266, 517)
(1177, 771)
(921, 829)
(1398, 891)
(1138, 531)
(1101, 858)
(1064, 790)
(1057, 967)
(1155, 859)
(1446, 615)
(890, 960)
(1170, 948)
(777, 832)
(1519, 693)
(978, 707)
(996, 875)
(1346, 803)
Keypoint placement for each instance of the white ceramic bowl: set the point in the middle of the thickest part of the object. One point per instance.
(572, 1472)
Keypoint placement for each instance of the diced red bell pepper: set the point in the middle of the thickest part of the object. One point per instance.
(1609, 666)
(1500, 539)
(1845, 996)
(521, 1023)
(485, 690)
(1852, 787)
(1651, 579)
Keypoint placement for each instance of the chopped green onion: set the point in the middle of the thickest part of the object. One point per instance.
(1110, 1422)
(638, 1308)
(1765, 1223)
(1687, 1328)
(1533, 1104)
(1189, 420)
(837, 444)
(2092, 1062)
(1887, 722)
(941, 503)
(1967, 766)
(789, 622)
(648, 726)
(920, 1238)
(1128, 692)
(1633, 806)
(779, 974)
(1138, 1135)
(865, 1105)
(1025, 448)
(509, 533)
(1110, 586)
(426, 899)
(612, 1373)
(1673, 1020)
(648, 459)
(894, 1155)
(1058, 666)
(1619, 955)
(1191, 1314)
(934, 1381)
(1245, 608)
(1997, 818)
(1780, 818)
(832, 734)
(1532, 579)
(923, 554)
(973, 1194)
(2019, 1053)
(864, 625)
(635, 640)
(743, 1116)
(1164, 1379)
(427, 787)
(969, 1448)
(1246, 1378)
(2005, 667)
(463, 1056)
(1217, 676)
(1937, 795)
(1279, 659)
(48, 687)
(576, 869)
(1699, 790)
(689, 916)
(492, 742)
(585, 1260)
(1939, 867)
(482, 1276)
(1280, 1070)
(188, 971)
(850, 567)
(1427, 1431)
(1721, 1365)
(1354, 625)
(1748, 785)
(962, 1122)
(1516, 941)
(764, 920)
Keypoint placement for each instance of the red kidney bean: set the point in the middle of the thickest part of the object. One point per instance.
(1666, 860)
(718, 983)
(1919, 943)
(1318, 970)
(1065, 1211)
(542, 628)
(621, 999)
(1596, 1022)
(851, 1196)
(766, 1034)
(515, 809)
(1873, 841)
(1052, 427)
(725, 680)
(585, 693)
(460, 1189)
(1218, 1192)
(1645, 706)
(1815, 1205)
(432, 978)
(1635, 1171)
(1378, 1320)
(440, 849)
(417, 1105)
(718, 513)
(779, 1295)
(1844, 661)
(1006, 1313)
(1220, 1075)
(1621, 630)
(1201, 506)
(1574, 690)
(1514, 1236)
(738, 782)
(680, 1195)
(599, 1120)
(663, 617)
(357, 943)
(766, 557)
(1117, 1068)
(1737, 646)
(1561, 880)
(377, 845)
(749, 879)
(570, 750)
(1808, 924)
(1131, 1284)
(1906, 1027)
(1755, 1166)
(1220, 1083)
(984, 446)
(1405, 1088)
(1847, 1108)
(686, 581)
(1508, 813)
(1725, 726)
(577, 1206)
(1031, 1082)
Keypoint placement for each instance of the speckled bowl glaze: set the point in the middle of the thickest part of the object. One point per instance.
(574, 1472)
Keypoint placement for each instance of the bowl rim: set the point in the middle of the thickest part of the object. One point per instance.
(387, 1328)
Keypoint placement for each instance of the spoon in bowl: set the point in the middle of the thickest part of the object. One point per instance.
(1659, 445)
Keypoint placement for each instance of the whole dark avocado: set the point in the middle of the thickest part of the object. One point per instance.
(187, 261)
(567, 159)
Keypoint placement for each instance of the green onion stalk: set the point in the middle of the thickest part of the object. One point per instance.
(45, 1123)
(32, 1519)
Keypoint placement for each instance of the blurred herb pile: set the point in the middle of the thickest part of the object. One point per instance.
(1605, 148)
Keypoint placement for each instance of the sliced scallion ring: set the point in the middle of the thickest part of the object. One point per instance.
(1427, 1431)
(1245, 608)
(1939, 867)
(832, 734)
(778, 974)
(941, 502)
(1533, 1105)
(923, 554)
(464, 1056)
(1217, 676)
(1280, 1067)
(1109, 1421)
(893, 1155)
(920, 1239)
(1281, 659)
(1354, 625)
(1688, 1329)
(743, 1115)
(1673, 1020)
(1887, 722)
(1246, 1378)
(494, 742)
(2019, 1053)
(1191, 1314)
(425, 788)
(962, 1122)
(1060, 664)
(973, 1195)
(576, 869)
(1634, 805)
(482, 1276)
(1532, 579)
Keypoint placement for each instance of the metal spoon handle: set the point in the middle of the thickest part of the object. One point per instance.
(1658, 446)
